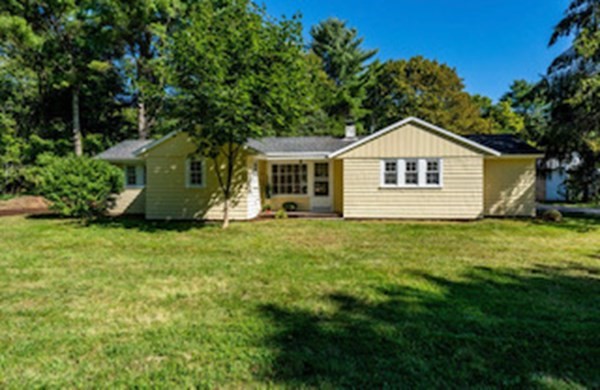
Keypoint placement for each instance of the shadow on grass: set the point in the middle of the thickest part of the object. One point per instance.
(133, 222)
(490, 328)
(578, 224)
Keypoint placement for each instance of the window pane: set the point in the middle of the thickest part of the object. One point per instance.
(131, 176)
(322, 188)
(433, 178)
(196, 173)
(432, 166)
(391, 178)
(411, 166)
(412, 178)
(322, 170)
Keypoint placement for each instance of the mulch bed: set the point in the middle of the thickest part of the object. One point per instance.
(24, 205)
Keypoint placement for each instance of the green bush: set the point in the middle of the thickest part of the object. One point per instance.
(281, 214)
(552, 216)
(78, 186)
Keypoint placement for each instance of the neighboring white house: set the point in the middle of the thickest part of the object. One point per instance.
(553, 177)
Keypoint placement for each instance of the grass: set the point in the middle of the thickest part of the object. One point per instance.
(298, 304)
(588, 205)
(4, 197)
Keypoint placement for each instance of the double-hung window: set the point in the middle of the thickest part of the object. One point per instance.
(130, 176)
(135, 176)
(411, 173)
(289, 179)
(433, 173)
(390, 173)
(195, 173)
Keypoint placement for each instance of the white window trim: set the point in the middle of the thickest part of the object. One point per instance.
(187, 173)
(382, 173)
(139, 177)
(421, 170)
(440, 170)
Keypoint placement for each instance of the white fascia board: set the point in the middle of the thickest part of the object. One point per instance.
(295, 156)
(516, 156)
(154, 144)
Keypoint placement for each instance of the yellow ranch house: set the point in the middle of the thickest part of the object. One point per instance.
(409, 170)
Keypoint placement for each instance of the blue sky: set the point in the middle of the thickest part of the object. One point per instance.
(489, 42)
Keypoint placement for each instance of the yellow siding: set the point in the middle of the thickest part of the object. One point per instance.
(510, 187)
(167, 196)
(130, 201)
(277, 202)
(460, 198)
(410, 141)
(338, 186)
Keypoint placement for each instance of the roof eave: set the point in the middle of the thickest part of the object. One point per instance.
(296, 156)
(519, 155)
(152, 145)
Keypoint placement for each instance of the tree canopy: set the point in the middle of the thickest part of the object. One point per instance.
(425, 89)
(345, 62)
(77, 76)
(238, 75)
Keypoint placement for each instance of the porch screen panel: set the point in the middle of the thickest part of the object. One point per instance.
(289, 179)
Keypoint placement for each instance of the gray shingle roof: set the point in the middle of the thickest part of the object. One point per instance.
(504, 143)
(284, 145)
(124, 150)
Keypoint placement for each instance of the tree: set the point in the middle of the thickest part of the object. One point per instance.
(573, 89)
(529, 101)
(239, 75)
(321, 95)
(344, 61)
(142, 27)
(63, 41)
(425, 89)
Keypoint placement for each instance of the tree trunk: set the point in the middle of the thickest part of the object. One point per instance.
(226, 213)
(77, 141)
(142, 121)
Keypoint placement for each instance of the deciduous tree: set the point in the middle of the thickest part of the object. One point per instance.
(425, 89)
(239, 75)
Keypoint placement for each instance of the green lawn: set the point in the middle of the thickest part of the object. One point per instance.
(295, 304)
(589, 205)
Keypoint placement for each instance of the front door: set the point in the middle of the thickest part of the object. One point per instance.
(322, 199)
(254, 202)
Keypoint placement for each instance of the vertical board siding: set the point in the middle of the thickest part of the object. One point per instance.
(167, 196)
(510, 187)
(410, 141)
(460, 198)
